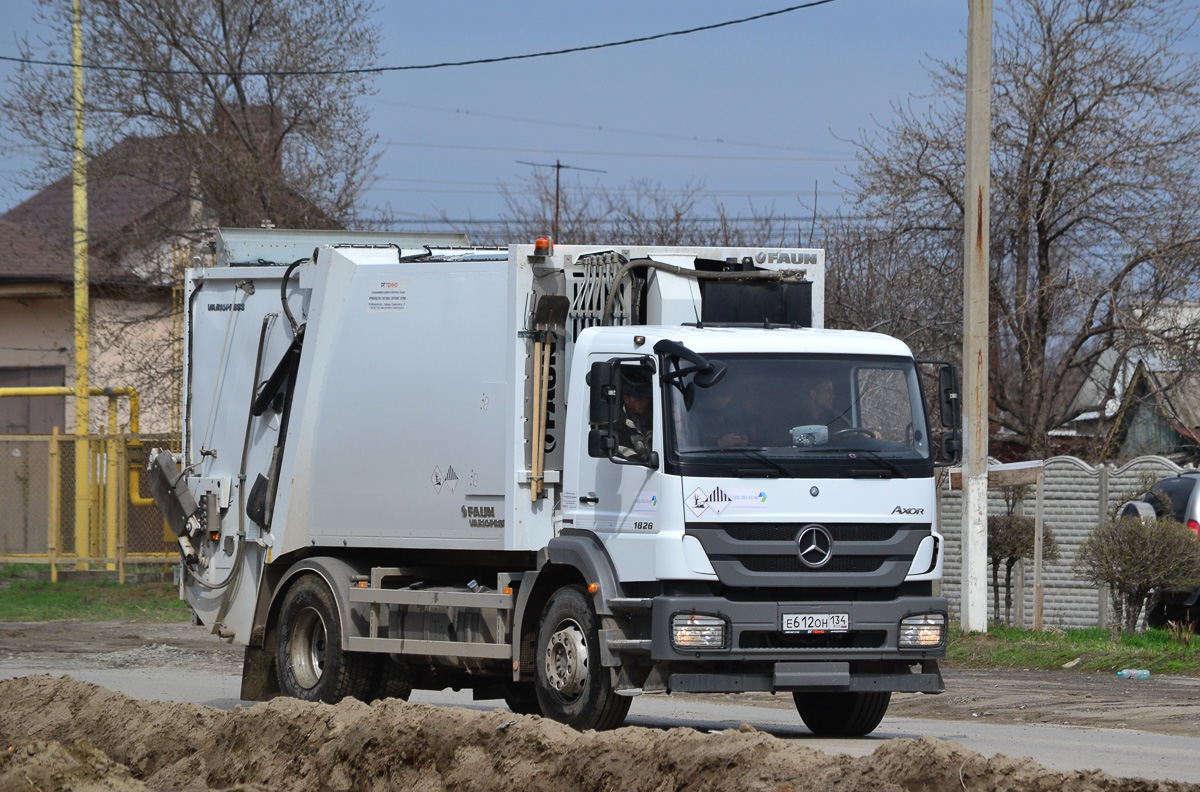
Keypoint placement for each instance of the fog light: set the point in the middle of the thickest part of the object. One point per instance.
(689, 631)
(926, 629)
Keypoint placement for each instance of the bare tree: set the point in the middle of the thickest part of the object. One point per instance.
(641, 213)
(907, 286)
(1095, 201)
(217, 86)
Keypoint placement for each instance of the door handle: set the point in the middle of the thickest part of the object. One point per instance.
(588, 500)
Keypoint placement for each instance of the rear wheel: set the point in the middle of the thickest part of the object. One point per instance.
(310, 660)
(842, 714)
(392, 679)
(573, 687)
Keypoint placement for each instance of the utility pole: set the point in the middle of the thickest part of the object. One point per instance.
(79, 238)
(975, 315)
(558, 166)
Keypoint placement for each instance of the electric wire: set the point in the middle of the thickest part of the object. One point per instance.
(418, 67)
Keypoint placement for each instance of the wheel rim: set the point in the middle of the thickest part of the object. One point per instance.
(566, 660)
(306, 650)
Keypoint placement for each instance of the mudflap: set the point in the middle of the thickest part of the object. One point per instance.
(260, 680)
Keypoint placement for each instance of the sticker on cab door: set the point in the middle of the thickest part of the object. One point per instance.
(645, 504)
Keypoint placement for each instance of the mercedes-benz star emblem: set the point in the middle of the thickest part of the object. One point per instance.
(814, 492)
(815, 546)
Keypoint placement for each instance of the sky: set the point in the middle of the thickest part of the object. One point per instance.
(757, 116)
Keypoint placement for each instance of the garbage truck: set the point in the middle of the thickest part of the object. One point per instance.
(561, 475)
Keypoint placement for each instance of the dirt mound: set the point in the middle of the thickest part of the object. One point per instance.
(287, 744)
(51, 767)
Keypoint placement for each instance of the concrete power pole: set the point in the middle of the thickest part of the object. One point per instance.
(975, 315)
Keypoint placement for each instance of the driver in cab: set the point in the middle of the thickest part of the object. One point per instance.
(818, 409)
(636, 423)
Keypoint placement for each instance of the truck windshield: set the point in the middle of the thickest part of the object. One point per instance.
(801, 416)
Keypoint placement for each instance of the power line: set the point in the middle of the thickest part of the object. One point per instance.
(462, 188)
(596, 127)
(425, 66)
(736, 220)
(637, 154)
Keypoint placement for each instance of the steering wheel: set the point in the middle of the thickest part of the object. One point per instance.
(855, 430)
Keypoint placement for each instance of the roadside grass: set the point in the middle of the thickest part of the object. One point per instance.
(23, 598)
(1093, 647)
(100, 600)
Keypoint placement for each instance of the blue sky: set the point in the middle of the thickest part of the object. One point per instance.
(758, 113)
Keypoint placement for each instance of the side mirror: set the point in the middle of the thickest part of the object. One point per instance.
(601, 444)
(716, 373)
(602, 407)
(948, 398)
(951, 451)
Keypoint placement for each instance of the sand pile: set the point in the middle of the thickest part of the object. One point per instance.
(68, 735)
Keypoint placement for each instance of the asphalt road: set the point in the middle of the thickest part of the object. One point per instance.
(1119, 752)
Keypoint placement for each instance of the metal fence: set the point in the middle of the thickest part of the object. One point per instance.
(1077, 497)
(49, 514)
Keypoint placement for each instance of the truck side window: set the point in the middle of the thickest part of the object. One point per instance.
(635, 426)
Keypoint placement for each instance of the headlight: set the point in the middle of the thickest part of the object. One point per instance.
(924, 630)
(690, 631)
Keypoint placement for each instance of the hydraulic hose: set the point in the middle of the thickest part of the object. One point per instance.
(287, 309)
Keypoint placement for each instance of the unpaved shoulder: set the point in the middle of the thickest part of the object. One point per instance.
(57, 725)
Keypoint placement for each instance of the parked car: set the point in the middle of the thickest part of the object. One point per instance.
(1179, 497)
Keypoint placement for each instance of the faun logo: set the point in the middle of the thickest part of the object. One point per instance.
(482, 517)
(911, 510)
(785, 257)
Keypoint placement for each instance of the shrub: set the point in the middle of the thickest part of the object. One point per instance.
(1133, 558)
(1010, 539)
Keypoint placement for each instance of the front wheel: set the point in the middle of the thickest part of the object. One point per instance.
(842, 714)
(309, 657)
(572, 685)
(521, 698)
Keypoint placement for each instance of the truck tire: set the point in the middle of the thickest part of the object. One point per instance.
(842, 714)
(573, 687)
(309, 659)
(392, 679)
(521, 698)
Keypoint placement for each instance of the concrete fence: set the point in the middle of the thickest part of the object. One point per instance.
(1077, 497)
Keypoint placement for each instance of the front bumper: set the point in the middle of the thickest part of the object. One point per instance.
(757, 655)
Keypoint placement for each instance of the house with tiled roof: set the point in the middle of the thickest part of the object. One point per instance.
(135, 221)
(144, 223)
(1144, 399)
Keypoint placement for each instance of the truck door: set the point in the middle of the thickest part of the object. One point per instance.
(620, 496)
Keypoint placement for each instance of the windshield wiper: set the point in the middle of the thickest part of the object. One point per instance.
(880, 460)
(782, 469)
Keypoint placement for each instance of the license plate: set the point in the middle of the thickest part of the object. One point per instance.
(816, 622)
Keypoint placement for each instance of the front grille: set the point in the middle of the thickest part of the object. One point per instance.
(792, 564)
(858, 639)
(756, 555)
(786, 532)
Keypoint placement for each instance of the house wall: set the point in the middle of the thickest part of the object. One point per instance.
(1148, 433)
(35, 347)
(129, 346)
(1073, 506)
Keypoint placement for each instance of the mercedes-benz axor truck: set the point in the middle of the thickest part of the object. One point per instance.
(564, 476)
